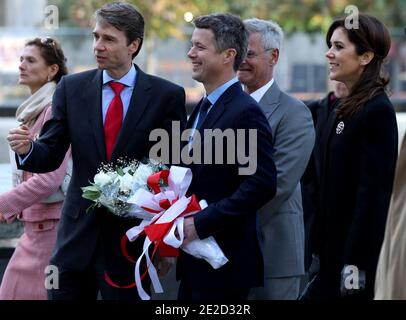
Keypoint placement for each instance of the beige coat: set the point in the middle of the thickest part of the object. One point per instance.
(391, 274)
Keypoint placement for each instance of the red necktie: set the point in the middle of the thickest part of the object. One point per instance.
(114, 118)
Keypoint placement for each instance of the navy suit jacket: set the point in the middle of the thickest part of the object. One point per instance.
(233, 199)
(77, 120)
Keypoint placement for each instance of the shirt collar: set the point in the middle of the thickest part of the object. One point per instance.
(216, 94)
(128, 79)
(259, 93)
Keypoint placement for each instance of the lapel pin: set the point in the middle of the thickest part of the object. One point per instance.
(340, 127)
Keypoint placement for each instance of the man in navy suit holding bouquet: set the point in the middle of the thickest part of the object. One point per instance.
(104, 114)
(218, 46)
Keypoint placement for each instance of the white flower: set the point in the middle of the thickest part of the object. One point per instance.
(112, 175)
(126, 182)
(113, 185)
(142, 173)
(101, 179)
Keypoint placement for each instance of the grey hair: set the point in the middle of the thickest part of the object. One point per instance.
(229, 32)
(271, 33)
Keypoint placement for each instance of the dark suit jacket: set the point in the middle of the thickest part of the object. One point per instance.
(233, 199)
(355, 167)
(77, 120)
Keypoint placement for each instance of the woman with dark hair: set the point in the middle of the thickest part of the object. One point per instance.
(35, 199)
(355, 156)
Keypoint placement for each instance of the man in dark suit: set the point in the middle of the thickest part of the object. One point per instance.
(104, 114)
(219, 44)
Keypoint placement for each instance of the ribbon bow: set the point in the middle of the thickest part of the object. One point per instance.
(169, 205)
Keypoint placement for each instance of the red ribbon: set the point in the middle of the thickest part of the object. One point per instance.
(155, 232)
(155, 180)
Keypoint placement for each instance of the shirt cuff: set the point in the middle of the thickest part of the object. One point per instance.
(21, 160)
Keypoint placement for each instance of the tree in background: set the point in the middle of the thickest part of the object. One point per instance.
(165, 18)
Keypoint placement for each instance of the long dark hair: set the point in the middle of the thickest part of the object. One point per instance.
(371, 35)
(52, 53)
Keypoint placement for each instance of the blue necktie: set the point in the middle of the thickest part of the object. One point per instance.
(204, 107)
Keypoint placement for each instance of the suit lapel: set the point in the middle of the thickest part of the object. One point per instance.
(270, 101)
(139, 100)
(92, 96)
(220, 106)
(215, 113)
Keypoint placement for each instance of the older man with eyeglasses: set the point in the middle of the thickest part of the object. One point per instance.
(281, 219)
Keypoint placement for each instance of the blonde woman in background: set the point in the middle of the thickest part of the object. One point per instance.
(391, 273)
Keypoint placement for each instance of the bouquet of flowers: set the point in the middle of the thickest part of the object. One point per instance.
(114, 184)
(151, 192)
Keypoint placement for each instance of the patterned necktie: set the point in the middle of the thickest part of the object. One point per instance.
(114, 118)
(204, 107)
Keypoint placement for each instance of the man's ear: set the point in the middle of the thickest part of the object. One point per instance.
(133, 47)
(229, 54)
(274, 57)
(366, 58)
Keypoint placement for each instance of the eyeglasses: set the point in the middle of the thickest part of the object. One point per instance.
(253, 54)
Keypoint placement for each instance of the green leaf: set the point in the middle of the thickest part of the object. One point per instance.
(120, 172)
(94, 205)
(91, 193)
(90, 188)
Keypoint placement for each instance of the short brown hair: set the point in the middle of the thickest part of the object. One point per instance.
(124, 17)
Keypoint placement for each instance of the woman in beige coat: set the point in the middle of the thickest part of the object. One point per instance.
(391, 274)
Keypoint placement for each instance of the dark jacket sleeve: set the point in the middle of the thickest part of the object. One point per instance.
(378, 154)
(49, 150)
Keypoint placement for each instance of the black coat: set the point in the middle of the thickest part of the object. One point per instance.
(77, 120)
(320, 110)
(355, 160)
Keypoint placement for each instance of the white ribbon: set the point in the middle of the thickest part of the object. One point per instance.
(178, 183)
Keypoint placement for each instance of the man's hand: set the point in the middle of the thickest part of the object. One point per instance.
(19, 140)
(189, 230)
(2, 219)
